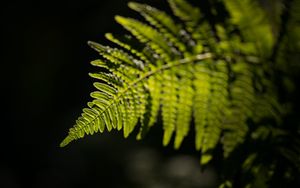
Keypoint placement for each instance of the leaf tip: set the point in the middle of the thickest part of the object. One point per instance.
(96, 46)
(120, 19)
(132, 5)
(65, 142)
(178, 141)
(167, 137)
(205, 159)
(135, 6)
(108, 36)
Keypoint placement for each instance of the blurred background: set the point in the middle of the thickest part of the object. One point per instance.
(44, 79)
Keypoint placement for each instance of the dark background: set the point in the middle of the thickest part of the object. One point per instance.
(44, 80)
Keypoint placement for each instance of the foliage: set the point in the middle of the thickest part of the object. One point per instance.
(224, 78)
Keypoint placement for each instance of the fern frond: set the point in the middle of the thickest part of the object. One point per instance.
(154, 87)
(162, 22)
(124, 101)
(147, 34)
(184, 105)
(242, 108)
(251, 20)
(128, 47)
(202, 91)
(184, 72)
(185, 11)
(169, 102)
(211, 98)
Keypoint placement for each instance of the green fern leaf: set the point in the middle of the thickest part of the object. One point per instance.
(163, 23)
(184, 105)
(147, 34)
(183, 74)
(185, 11)
(251, 20)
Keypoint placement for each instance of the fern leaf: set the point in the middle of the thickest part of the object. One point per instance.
(210, 101)
(128, 47)
(171, 70)
(169, 101)
(162, 22)
(185, 11)
(243, 98)
(190, 16)
(202, 91)
(184, 105)
(146, 34)
(126, 104)
(154, 87)
(251, 20)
